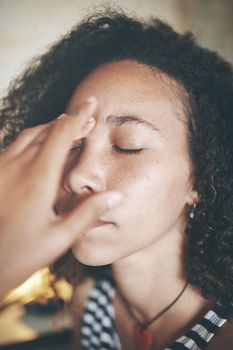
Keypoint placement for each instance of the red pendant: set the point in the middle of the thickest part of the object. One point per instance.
(143, 339)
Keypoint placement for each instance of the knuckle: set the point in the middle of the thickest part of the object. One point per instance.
(62, 123)
(63, 127)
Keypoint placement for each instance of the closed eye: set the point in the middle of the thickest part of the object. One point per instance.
(127, 151)
(79, 148)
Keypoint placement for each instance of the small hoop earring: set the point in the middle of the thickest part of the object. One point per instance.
(191, 214)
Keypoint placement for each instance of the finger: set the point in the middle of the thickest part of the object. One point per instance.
(64, 233)
(24, 139)
(67, 230)
(32, 149)
(70, 227)
(53, 153)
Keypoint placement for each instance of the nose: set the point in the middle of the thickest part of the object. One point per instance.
(86, 176)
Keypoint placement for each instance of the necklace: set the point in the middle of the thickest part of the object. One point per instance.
(143, 337)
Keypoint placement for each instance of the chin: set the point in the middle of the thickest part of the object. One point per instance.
(97, 246)
(92, 257)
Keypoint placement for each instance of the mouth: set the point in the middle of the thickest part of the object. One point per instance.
(98, 223)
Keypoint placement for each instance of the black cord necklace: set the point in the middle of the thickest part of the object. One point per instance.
(143, 337)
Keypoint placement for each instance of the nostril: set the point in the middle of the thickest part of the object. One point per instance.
(83, 181)
(86, 189)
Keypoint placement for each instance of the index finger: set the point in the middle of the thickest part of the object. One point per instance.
(52, 155)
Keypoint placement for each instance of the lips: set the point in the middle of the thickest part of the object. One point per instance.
(98, 223)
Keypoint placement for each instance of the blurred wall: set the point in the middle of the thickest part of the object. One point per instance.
(27, 27)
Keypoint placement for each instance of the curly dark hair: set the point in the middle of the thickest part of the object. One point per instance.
(42, 92)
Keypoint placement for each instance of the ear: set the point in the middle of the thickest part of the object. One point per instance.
(192, 198)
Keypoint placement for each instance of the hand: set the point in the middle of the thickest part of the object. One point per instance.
(31, 234)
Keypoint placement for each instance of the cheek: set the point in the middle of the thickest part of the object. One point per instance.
(151, 179)
(153, 198)
(153, 192)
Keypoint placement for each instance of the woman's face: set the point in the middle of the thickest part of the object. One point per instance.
(137, 109)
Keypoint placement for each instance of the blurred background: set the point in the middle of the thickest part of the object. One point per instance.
(33, 316)
(28, 27)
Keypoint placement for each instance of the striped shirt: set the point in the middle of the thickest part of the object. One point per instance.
(98, 330)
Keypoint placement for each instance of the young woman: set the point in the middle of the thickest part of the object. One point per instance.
(156, 271)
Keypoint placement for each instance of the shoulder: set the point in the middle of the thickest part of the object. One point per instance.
(224, 338)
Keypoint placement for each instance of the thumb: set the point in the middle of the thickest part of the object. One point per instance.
(68, 229)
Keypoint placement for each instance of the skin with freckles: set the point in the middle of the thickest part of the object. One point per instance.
(139, 147)
(155, 183)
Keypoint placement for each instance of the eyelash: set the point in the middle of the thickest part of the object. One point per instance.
(117, 149)
(127, 151)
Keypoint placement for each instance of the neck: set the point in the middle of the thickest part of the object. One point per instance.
(151, 279)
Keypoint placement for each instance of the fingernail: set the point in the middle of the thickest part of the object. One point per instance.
(91, 99)
(113, 198)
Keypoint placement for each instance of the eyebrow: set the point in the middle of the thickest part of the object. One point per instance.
(117, 121)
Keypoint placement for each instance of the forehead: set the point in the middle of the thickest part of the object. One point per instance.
(130, 87)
